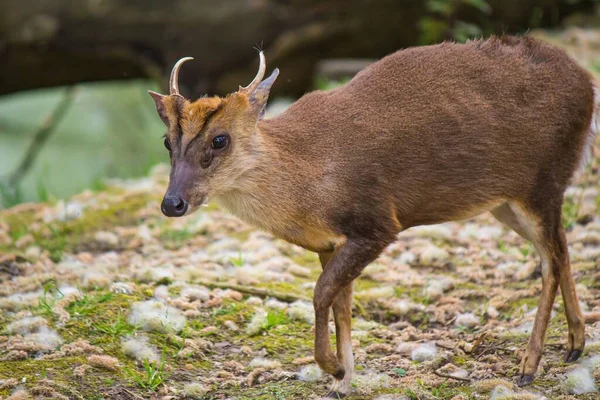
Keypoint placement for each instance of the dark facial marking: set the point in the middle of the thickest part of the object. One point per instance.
(206, 158)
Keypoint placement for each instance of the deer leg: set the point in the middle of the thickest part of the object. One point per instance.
(533, 353)
(526, 223)
(575, 321)
(342, 312)
(548, 236)
(334, 289)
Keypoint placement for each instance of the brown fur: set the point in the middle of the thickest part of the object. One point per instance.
(425, 135)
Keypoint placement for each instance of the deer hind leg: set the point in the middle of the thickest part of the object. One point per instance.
(342, 313)
(544, 230)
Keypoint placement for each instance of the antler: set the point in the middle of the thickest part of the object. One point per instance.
(174, 81)
(259, 76)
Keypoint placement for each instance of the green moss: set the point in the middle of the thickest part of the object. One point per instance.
(58, 237)
(175, 238)
(308, 259)
(290, 389)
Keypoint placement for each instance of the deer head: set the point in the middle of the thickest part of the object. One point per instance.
(212, 141)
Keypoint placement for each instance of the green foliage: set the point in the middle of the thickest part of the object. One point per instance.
(443, 22)
(238, 261)
(323, 83)
(152, 377)
(570, 211)
(118, 328)
(175, 238)
(88, 304)
(274, 318)
(49, 298)
(10, 196)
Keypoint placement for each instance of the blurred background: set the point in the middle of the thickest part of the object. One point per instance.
(74, 74)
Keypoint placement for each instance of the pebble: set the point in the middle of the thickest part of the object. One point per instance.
(231, 325)
(434, 256)
(424, 352)
(107, 238)
(467, 320)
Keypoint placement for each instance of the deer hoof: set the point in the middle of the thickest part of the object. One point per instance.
(525, 380)
(573, 355)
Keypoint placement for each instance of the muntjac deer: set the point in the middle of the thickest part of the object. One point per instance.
(423, 136)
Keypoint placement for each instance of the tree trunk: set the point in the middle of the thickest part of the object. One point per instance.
(62, 42)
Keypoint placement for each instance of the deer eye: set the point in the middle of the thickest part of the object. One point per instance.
(167, 144)
(219, 142)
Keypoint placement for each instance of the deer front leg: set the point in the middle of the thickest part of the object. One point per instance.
(334, 288)
(342, 313)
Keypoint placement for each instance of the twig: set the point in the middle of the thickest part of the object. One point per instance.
(132, 394)
(44, 132)
(287, 297)
(458, 378)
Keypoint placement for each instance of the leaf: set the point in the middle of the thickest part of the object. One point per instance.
(400, 371)
(481, 5)
(464, 31)
(444, 7)
(432, 30)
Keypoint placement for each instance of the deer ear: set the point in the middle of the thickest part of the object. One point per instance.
(258, 98)
(160, 106)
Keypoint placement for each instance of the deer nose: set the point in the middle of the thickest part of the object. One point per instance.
(173, 206)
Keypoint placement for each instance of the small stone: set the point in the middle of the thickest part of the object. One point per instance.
(33, 252)
(122, 288)
(254, 301)
(442, 232)
(233, 295)
(275, 304)
(303, 360)
(232, 326)
(298, 270)
(260, 362)
(492, 312)
(107, 238)
(25, 241)
(454, 371)
(433, 255)
(467, 320)
(195, 391)
(101, 361)
(424, 352)
(376, 293)
(379, 348)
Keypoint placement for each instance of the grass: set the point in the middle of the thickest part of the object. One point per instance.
(238, 261)
(49, 298)
(274, 318)
(119, 327)
(151, 378)
(570, 211)
(87, 305)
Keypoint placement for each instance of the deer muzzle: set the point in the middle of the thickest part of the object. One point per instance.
(177, 199)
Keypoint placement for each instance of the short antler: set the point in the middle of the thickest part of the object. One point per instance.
(174, 81)
(259, 76)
